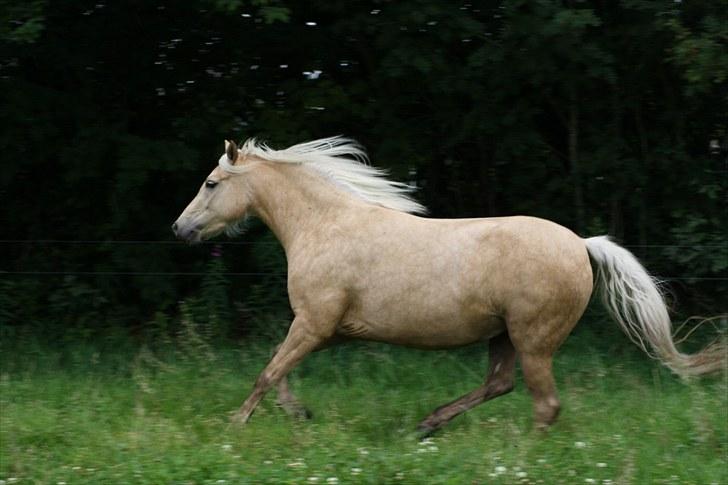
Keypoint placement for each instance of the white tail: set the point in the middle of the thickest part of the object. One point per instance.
(633, 298)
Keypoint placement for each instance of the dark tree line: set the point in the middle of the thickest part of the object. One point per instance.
(607, 117)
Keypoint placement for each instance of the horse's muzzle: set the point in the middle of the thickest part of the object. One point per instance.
(186, 233)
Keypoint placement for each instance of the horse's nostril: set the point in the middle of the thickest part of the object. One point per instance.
(174, 228)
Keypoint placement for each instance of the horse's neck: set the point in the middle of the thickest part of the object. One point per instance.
(294, 202)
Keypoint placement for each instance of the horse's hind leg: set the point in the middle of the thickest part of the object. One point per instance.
(502, 361)
(540, 381)
(536, 341)
(287, 401)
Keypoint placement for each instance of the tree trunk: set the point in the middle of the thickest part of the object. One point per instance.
(616, 223)
(488, 177)
(573, 129)
(646, 168)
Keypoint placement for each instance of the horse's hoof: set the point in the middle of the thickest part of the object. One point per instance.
(302, 413)
(238, 419)
(542, 428)
(424, 431)
(296, 411)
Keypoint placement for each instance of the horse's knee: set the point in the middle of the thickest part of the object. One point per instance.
(265, 380)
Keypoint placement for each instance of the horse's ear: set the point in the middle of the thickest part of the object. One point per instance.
(231, 150)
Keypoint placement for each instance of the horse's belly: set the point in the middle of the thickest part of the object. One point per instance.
(423, 325)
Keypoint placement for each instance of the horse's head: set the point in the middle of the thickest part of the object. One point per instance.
(220, 205)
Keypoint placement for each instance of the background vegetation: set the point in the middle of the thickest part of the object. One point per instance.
(120, 347)
(607, 117)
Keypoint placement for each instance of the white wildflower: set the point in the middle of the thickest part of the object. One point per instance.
(590, 480)
(332, 480)
(313, 479)
(601, 465)
(227, 447)
(579, 444)
(363, 451)
(521, 474)
(433, 448)
(500, 469)
(355, 471)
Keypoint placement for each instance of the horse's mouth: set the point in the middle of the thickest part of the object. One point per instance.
(189, 235)
(194, 238)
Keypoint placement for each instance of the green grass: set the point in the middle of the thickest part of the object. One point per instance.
(113, 413)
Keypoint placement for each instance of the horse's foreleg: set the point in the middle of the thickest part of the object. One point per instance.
(285, 398)
(502, 361)
(299, 342)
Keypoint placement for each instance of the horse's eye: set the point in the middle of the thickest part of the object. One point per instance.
(210, 184)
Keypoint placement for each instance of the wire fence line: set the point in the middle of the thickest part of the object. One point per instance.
(100, 242)
(133, 242)
(132, 273)
(271, 243)
(252, 274)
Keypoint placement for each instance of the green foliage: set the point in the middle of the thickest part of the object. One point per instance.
(194, 340)
(701, 52)
(203, 318)
(77, 304)
(693, 232)
(21, 22)
(599, 116)
(18, 299)
(270, 11)
(266, 301)
(214, 294)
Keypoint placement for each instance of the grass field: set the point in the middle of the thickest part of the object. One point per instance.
(116, 412)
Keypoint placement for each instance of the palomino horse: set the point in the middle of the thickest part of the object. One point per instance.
(360, 265)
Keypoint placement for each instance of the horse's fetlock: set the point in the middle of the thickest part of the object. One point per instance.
(546, 411)
(500, 387)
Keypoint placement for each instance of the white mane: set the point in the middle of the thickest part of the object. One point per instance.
(341, 160)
